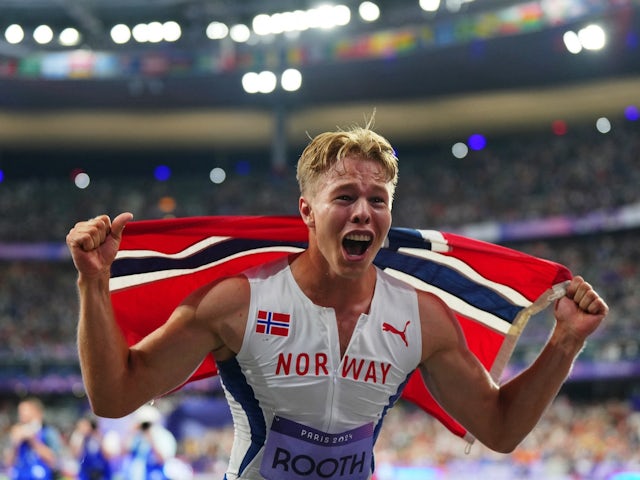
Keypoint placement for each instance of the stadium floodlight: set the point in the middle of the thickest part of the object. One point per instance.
(603, 125)
(240, 33)
(430, 5)
(120, 34)
(369, 11)
(572, 42)
(155, 32)
(171, 31)
(261, 24)
(460, 150)
(69, 37)
(251, 82)
(217, 31)
(592, 37)
(291, 80)
(140, 33)
(43, 34)
(14, 34)
(267, 81)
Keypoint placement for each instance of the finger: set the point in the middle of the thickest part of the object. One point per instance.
(89, 235)
(118, 224)
(585, 297)
(573, 286)
(588, 299)
(97, 230)
(598, 307)
(584, 293)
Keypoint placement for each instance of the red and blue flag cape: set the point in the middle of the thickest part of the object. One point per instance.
(493, 290)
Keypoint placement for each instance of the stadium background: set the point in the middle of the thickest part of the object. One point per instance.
(503, 134)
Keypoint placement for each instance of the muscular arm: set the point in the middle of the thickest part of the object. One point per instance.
(119, 379)
(501, 416)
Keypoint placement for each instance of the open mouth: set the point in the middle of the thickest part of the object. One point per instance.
(356, 244)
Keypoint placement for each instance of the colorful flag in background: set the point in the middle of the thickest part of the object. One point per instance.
(492, 289)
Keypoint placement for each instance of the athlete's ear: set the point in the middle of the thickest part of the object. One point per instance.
(306, 212)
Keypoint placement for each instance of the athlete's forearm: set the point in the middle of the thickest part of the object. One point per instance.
(526, 397)
(102, 348)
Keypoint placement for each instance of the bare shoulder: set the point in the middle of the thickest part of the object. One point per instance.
(223, 306)
(440, 328)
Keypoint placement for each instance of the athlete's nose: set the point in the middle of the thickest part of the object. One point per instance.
(361, 212)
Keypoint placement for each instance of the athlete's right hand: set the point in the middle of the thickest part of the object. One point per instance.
(93, 244)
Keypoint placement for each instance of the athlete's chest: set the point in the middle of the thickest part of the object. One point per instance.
(288, 340)
(341, 374)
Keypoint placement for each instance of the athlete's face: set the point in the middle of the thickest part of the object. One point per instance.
(349, 215)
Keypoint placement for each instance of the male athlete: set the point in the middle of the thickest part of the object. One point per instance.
(308, 397)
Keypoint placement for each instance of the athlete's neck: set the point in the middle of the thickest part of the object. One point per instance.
(328, 289)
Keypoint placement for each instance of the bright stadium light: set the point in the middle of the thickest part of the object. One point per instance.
(291, 80)
(155, 33)
(251, 82)
(14, 34)
(267, 81)
(572, 42)
(240, 33)
(261, 24)
(369, 11)
(43, 34)
(592, 37)
(430, 5)
(140, 33)
(460, 150)
(120, 34)
(69, 37)
(603, 125)
(217, 175)
(329, 16)
(82, 180)
(341, 15)
(217, 31)
(171, 31)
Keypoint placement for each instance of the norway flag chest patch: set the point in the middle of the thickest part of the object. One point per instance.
(273, 323)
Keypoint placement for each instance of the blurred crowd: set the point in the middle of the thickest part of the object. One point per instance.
(42, 446)
(573, 440)
(514, 178)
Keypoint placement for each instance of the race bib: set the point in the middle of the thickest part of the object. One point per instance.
(294, 451)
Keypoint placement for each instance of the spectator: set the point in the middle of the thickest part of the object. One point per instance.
(150, 448)
(87, 446)
(35, 446)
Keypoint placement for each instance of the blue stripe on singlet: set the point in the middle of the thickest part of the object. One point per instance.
(392, 401)
(236, 384)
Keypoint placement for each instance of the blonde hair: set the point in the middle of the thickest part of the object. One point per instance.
(326, 149)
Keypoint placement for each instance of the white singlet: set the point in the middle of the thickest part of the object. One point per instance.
(289, 368)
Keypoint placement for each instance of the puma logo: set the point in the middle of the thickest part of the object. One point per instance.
(386, 327)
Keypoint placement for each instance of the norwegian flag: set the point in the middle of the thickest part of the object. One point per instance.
(493, 290)
(273, 323)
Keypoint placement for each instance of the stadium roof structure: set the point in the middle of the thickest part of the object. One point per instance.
(495, 64)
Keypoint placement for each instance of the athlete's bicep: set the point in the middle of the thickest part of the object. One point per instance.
(223, 310)
(165, 358)
(197, 327)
